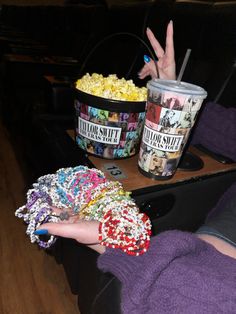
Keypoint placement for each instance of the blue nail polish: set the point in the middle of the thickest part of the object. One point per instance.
(146, 58)
(41, 231)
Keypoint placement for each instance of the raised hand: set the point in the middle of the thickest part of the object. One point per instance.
(165, 58)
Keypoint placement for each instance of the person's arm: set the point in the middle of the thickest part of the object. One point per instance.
(165, 58)
(86, 232)
(219, 244)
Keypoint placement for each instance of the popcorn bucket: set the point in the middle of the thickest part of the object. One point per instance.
(107, 128)
(172, 108)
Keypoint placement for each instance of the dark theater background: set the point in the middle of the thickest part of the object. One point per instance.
(45, 46)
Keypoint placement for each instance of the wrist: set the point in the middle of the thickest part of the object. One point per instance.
(98, 248)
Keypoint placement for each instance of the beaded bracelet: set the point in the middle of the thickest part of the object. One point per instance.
(87, 193)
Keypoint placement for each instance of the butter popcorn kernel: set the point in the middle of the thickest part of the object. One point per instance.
(111, 87)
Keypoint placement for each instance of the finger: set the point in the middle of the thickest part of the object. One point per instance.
(170, 53)
(155, 44)
(147, 72)
(152, 69)
(70, 215)
(144, 72)
(84, 231)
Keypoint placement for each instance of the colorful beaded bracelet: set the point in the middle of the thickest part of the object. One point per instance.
(87, 193)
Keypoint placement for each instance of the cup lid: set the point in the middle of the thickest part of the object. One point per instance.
(177, 87)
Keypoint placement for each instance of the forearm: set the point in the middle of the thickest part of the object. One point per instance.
(221, 245)
(219, 229)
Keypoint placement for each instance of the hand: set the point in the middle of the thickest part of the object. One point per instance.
(166, 58)
(83, 231)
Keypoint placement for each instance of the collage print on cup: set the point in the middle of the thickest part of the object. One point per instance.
(107, 134)
(169, 119)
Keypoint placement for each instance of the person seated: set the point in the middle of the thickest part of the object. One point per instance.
(181, 272)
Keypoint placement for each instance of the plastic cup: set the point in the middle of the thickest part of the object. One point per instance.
(171, 111)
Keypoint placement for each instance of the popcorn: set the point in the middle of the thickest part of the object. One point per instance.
(111, 87)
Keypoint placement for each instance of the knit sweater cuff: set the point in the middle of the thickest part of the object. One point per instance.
(124, 266)
(118, 263)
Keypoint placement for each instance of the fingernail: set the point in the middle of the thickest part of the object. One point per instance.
(41, 231)
(146, 58)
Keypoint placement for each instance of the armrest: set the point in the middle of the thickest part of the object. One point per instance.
(108, 298)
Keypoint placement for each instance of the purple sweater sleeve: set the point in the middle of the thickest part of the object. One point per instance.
(174, 276)
(127, 268)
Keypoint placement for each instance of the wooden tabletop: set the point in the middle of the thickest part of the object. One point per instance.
(132, 179)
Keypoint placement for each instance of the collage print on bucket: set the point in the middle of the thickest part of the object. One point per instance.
(170, 117)
(110, 135)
